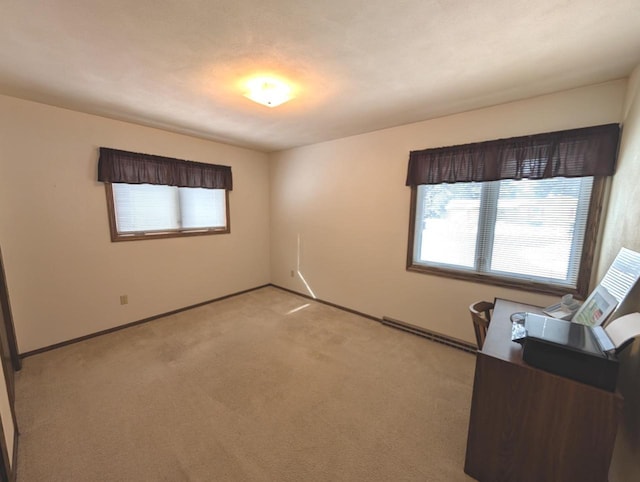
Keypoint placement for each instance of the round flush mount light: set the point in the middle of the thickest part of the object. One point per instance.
(268, 91)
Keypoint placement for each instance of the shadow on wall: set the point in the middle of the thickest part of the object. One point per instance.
(626, 463)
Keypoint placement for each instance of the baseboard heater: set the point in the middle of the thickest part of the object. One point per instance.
(430, 335)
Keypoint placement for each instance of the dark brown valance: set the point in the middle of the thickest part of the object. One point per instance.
(589, 151)
(134, 168)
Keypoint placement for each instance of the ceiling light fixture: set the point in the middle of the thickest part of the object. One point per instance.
(268, 91)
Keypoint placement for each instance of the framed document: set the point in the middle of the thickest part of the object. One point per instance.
(598, 306)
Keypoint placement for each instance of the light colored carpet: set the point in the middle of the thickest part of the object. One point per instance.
(265, 386)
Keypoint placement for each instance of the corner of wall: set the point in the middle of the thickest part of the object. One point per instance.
(620, 212)
(633, 87)
(620, 230)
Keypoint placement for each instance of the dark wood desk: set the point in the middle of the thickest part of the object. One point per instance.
(528, 425)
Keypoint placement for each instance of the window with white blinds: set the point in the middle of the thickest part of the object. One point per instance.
(148, 209)
(202, 208)
(528, 230)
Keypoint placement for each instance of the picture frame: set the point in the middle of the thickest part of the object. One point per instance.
(597, 308)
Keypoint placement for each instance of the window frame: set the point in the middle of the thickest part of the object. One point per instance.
(584, 271)
(159, 234)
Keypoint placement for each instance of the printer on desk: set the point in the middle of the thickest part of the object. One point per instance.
(580, 352)
(581, 349)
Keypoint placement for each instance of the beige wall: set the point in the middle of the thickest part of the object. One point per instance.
(621, 222)
(346, 202)
(622, 230)
(65, 275)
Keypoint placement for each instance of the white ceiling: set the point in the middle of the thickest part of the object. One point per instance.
(357, 65)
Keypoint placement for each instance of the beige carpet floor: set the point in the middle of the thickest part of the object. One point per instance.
(264, 386)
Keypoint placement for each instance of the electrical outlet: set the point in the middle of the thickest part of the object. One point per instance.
(124, 299)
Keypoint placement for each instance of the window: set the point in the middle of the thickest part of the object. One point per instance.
(152, 196)
(521, 232)
(143, 210)
(520, 212)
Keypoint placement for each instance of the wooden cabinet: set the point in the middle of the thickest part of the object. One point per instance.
(528, 425)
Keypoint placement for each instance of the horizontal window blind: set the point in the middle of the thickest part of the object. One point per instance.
(447, 224)
(529, 229)
(146, 207)
(539, 228)
(141, 208)
(202, 208)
